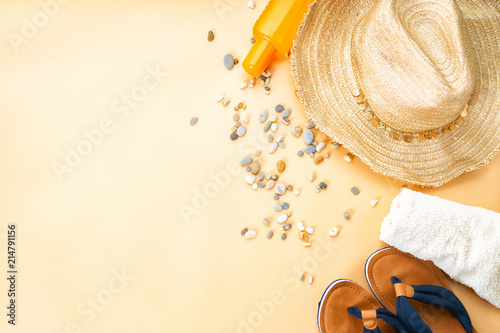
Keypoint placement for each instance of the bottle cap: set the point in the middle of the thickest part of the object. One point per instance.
(259, 57)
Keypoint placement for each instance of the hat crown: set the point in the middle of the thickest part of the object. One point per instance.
(412, 62)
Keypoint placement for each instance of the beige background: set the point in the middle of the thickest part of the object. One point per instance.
(119, 209)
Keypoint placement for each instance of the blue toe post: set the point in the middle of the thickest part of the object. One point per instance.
(434, 295)
(383, 314)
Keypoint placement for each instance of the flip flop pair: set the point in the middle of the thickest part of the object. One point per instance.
(411, 295)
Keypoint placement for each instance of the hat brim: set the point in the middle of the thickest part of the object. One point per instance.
(324, 80)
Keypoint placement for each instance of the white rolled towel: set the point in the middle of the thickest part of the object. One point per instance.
(463, 241)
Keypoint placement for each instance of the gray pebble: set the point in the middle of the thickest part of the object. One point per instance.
(276, 197)
(252, 40)
(270, 234)
(228, 61)
(236, 117)
(287, 226)
(267, 126)
(263, 116)
(310, 124)
(279, 108)
(285, 113)
(347, 216)
(241, 131)
(248, 169)
(261, 184)
(308, 137)
(300, 153)
(210, 36)
(283, 237)
(277, 207)
(317, 189)
(323, 185)
(267, 88)
(310, 149)
(193, 121)
(270, 138)
(247, 160)
(244, 231)
(274, 177)
(285, 205)
(266, 222)
(233, 136)
(281, 144)
(261, 176)
(354, 190)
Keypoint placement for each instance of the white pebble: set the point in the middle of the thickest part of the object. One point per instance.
(317, 189)
(273, 117)
(320, 146)
(334, 232)
(267, 92)
(250, 179)
(307, 244)
(219, 98)
(243, 85)
(251, 4)
(310, 231)
(312, 177)
(269, 176)
(374, 202)
(280, 188)
(274, 127)
(282, 218)
(296, 192)
(327, 155)
(262, 83)
(244, 119)
(281, 144)
(255, 186)
(347, 158)
(311, 280)
(250, 234)
(273, 147)
(226, 101)
(279, 138)
(252, 82)
(300, 226)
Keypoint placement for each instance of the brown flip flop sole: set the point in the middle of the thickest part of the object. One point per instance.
(382, 265)
(338, 297)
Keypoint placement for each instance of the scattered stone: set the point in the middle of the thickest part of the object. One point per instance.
(261, 176)
(300, 226)
(273, 147)
(354, 190)
(303, 277)
(310, 231)
(314, 143)
(244, 120)
(348, 158)
(255, 167)
(219, 98)
(276, 197)
(226, 101)
(323, 185)
(303, 236)
(277, 207)
(241, 106)
(193, 121)
(312, 176)
(273, 117)
(373, 202)
(266, 222)
(270, 184)
(320, 146)
(307, 244)
(280, 188)
(274, 177)
(279, 108)
(296, 192)
(311, 279)
(283, 237)
(269, 176)
(282, 218)
(267, 126)
(250, 179)
(250, 234)
(236, 117)
(286, 113)
(248, 169)
(252, 40)
(287, 226)
(285, 121)
(318, 159)
(241, 131)
(289, 187)
(279, 138)
(317, 189)
(300, 153)
(255, 186)
(327, 155)
(210, 36)
(270, 234)
(297, 131)
(274, 127)
(285, 205)
(244, 231)
(252, 82)
(334, 232)
(308, 137)
(260, 184)
(263, 116)
(257, 152)
(246, 160)
(228, 61)
(270, 138)
(310, 149)
(310, 124)
(237, 124)
(334, 145)
(280, 165)
(347, 216)
(281, 144)
(233, 136)
(251, 4)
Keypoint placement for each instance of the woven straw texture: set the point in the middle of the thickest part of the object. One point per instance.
(419, 63)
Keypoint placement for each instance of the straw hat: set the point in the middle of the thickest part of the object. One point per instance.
(411, 87)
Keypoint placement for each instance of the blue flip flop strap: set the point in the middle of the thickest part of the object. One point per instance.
(383, 314)
(434, 295)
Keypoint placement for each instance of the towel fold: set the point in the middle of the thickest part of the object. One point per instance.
(463, 241)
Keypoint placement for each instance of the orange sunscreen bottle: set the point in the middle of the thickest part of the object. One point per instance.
(274, 32)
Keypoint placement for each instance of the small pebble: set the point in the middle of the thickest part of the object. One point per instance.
(261, 176)
(281, 144)
(267, 73)
(219, 98)
(269, 176)
(266, 222)
(273, 117)
(348, 158)
(280, 188)
(255, 167)
(297, 131)
(285, 121)
(244, 120)
(270, 138)
(193, 121)
(320, 146)
(237, 124)
(263, 116)
(296, 192)
(312, 176)
(311, 280)
(283, 237)
(307, 244)
(250, 179)
(347, 216)
(241, 106)
(323, 185)
(248, 169)
(277, 207)
(285, 205)
(270, 184)
(261, 184)
(243, 85)
(334, 145)
(267, 126)
(279, 138)
(300, 226)
(373, 202)
(354, 190)
(317, 189)
(236, 117)
(327, 155)
(228, 61)
(244, 231)
(310, 231)
(270, 234)
(257, 152)
(233, 136)
(303, 277)
(303, 236)
(314, 143)
(252, 40)
(246, 160)
(251, 4)
(225, 101)
(300, 153)
(273, 147)
(289, 187)
(287, 226)
(252, 82)
(241, 131)
(250, 234)
(276, 197)
(279, 108)
(280, 165)
(308, 137)
(286, 113)
(334, 232)
(318, 159)
(274, 127)
(210, 36)
(310, 124)
(310, 149)
(282, 218)
(274, 177)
